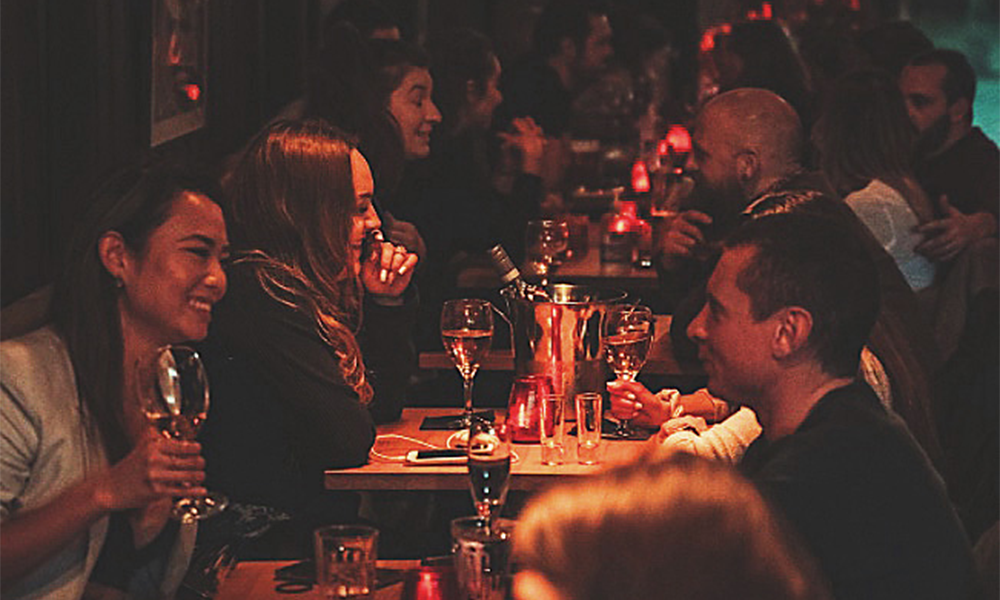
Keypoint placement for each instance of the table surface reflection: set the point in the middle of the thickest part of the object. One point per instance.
(527, 470)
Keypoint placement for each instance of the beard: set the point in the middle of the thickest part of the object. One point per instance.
(723, 201)
(930, 141)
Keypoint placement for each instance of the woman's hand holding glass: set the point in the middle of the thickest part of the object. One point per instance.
(388, 268)
(157, 468)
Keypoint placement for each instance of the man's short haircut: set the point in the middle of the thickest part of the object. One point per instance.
(959, 78)
(565, 19)
(815, 263)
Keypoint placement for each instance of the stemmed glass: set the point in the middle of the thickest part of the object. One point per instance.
(546, 240)
(176, 404)
(627, 331)
(466, 332)
(489, 466)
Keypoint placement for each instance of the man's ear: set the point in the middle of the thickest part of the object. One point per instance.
(472, 94)
(958, 111)
(114, 254)
(747, 166)
(794, 325)
(567, 48)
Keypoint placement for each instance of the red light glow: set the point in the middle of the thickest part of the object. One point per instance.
(765, 11)
(640, 176)
(192, 91)
(678, 139)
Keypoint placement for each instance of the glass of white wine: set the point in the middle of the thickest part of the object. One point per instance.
(176, 404)
(628, 333)
(467, 332)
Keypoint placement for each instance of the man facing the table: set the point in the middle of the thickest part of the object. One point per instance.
(789, 308)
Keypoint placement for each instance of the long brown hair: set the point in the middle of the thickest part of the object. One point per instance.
(134, 202)
(290, 205)
(864, 133)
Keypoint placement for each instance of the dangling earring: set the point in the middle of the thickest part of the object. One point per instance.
(119, 283)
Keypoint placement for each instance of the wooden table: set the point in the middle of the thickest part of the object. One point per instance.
(661, 359)
(254, 580)
(527, 471)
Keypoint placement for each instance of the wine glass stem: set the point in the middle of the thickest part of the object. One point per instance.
(467, 385)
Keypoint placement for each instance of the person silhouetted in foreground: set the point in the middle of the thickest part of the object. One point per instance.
(682, 527)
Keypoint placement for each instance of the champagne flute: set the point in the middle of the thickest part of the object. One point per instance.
(177, 404)
(628, 332)
(546, 240)
(466, 332)
(489, 466)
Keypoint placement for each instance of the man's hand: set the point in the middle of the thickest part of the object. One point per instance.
(945, 238)
(683, 234)
(529, 139)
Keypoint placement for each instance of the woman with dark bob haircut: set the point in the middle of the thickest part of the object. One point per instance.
(459, 199)
(299, 377)
(86, 483)
(674, 527)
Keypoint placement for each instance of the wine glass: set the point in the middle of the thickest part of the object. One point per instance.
(627, 333)
(489, 466)
(176, 404)
(466, 332)
(546, 241)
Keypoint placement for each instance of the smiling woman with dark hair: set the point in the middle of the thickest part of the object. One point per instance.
(85, 479)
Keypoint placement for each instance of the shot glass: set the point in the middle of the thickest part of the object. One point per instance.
(345, 561)
(551, 428)
(588, 427)
(482, 557)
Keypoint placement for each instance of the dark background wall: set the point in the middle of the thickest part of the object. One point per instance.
(74, 97)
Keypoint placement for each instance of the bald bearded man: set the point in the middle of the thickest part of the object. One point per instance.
(747, 162)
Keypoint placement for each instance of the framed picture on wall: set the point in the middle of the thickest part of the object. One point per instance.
(179, 68)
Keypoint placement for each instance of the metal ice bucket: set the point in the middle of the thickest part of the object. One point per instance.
(561, 338)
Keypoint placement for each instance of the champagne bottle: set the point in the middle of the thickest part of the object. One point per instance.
(510, 276)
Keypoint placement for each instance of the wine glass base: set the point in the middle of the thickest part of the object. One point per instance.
(189, 510)
(626, 432)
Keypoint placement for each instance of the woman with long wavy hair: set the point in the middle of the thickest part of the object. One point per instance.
(304, 357)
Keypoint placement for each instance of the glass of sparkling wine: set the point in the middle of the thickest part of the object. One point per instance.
(489, 466)
(176, 404)
(628, 332)
(466, 332)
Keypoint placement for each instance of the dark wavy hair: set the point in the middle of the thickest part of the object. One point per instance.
(133, 202)
(290, 206)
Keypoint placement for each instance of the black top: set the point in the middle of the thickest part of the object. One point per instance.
(866, 501)
(533, 89)
(451, 199)
(968, 173)
(280, 412)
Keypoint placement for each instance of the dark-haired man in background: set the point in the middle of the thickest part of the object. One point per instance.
(789, 307)
(958, 166)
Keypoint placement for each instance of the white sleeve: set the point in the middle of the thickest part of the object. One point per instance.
(726, 440)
